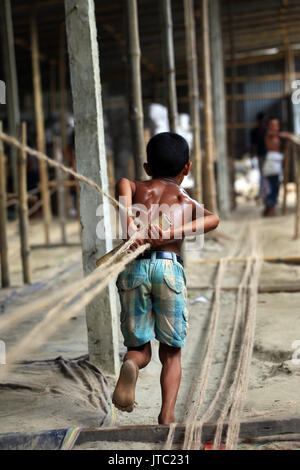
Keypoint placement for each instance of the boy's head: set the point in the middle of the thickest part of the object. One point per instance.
(167, 155)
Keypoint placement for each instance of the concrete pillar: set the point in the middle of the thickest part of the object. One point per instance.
(219, 106)
(101, 313)
(10, 73)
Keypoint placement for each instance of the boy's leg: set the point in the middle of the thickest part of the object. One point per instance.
(170, 358)
(135, 359)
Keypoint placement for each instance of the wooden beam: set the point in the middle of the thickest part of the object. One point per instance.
(193, 87)
(159, 434)
(169, 63)
(39, 118)
(136, 113)
(5, 282)
(101, 313)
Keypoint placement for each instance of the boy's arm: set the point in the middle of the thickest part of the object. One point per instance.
(285, 135)
(203, 221)
(126, 189)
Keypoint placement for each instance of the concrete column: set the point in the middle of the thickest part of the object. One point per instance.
(219, 106)
(101, 313)
(10, 73)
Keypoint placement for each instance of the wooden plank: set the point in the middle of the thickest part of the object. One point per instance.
(263, 289)
(268, 259)
(159, 434)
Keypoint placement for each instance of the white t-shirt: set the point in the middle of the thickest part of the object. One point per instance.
(273, 164)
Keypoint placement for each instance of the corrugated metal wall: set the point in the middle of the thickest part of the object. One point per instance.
(248, 82)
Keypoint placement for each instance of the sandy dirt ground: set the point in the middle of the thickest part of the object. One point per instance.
(274, 378)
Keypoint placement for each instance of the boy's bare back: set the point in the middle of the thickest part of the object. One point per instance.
(171, 199)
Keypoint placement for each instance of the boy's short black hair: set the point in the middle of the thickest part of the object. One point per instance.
(167, 154)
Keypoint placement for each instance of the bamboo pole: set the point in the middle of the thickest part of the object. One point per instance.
(5, 282)
(297, 177)
(11, 79)
(60, 190)
(62, 87)
(286, 173)
(209, 186)
(219, 107)
(193, 86)
(135, 88)
(169, 63)
(39, 116)
(232, 134)
(23, 208)
(62, 106)
(52, 90)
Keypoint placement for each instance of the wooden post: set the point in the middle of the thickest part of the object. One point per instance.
(52, 90)
(219, 106)
(23, 208)
(169, 63)
(135, 88)
(62, 87)
(60, 190)
(297, 179)
(11, 80)
(232, 120)
(5, 282)
(39, 117)
(101, 314)
(209, 187)
(193, 85)
(62, 107)
(286, 173)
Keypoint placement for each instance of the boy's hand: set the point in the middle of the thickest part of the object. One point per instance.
(139, 241)
(157, 236)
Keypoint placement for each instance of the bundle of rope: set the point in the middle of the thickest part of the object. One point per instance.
(194, 425)
(80, 293)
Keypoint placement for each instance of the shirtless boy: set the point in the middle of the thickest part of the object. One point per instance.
(152, 288)
(272, 169)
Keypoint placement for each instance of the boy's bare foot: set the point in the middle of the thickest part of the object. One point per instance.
(166, 419)
(124, 394)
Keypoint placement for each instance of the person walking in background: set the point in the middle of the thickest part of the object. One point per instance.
(258, 148)
(272, 167)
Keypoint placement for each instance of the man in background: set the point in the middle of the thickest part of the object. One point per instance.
(258, 148)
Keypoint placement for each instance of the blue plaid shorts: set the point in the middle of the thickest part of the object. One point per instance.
(153, 302)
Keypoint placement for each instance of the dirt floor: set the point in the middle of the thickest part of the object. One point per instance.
(274, 379)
